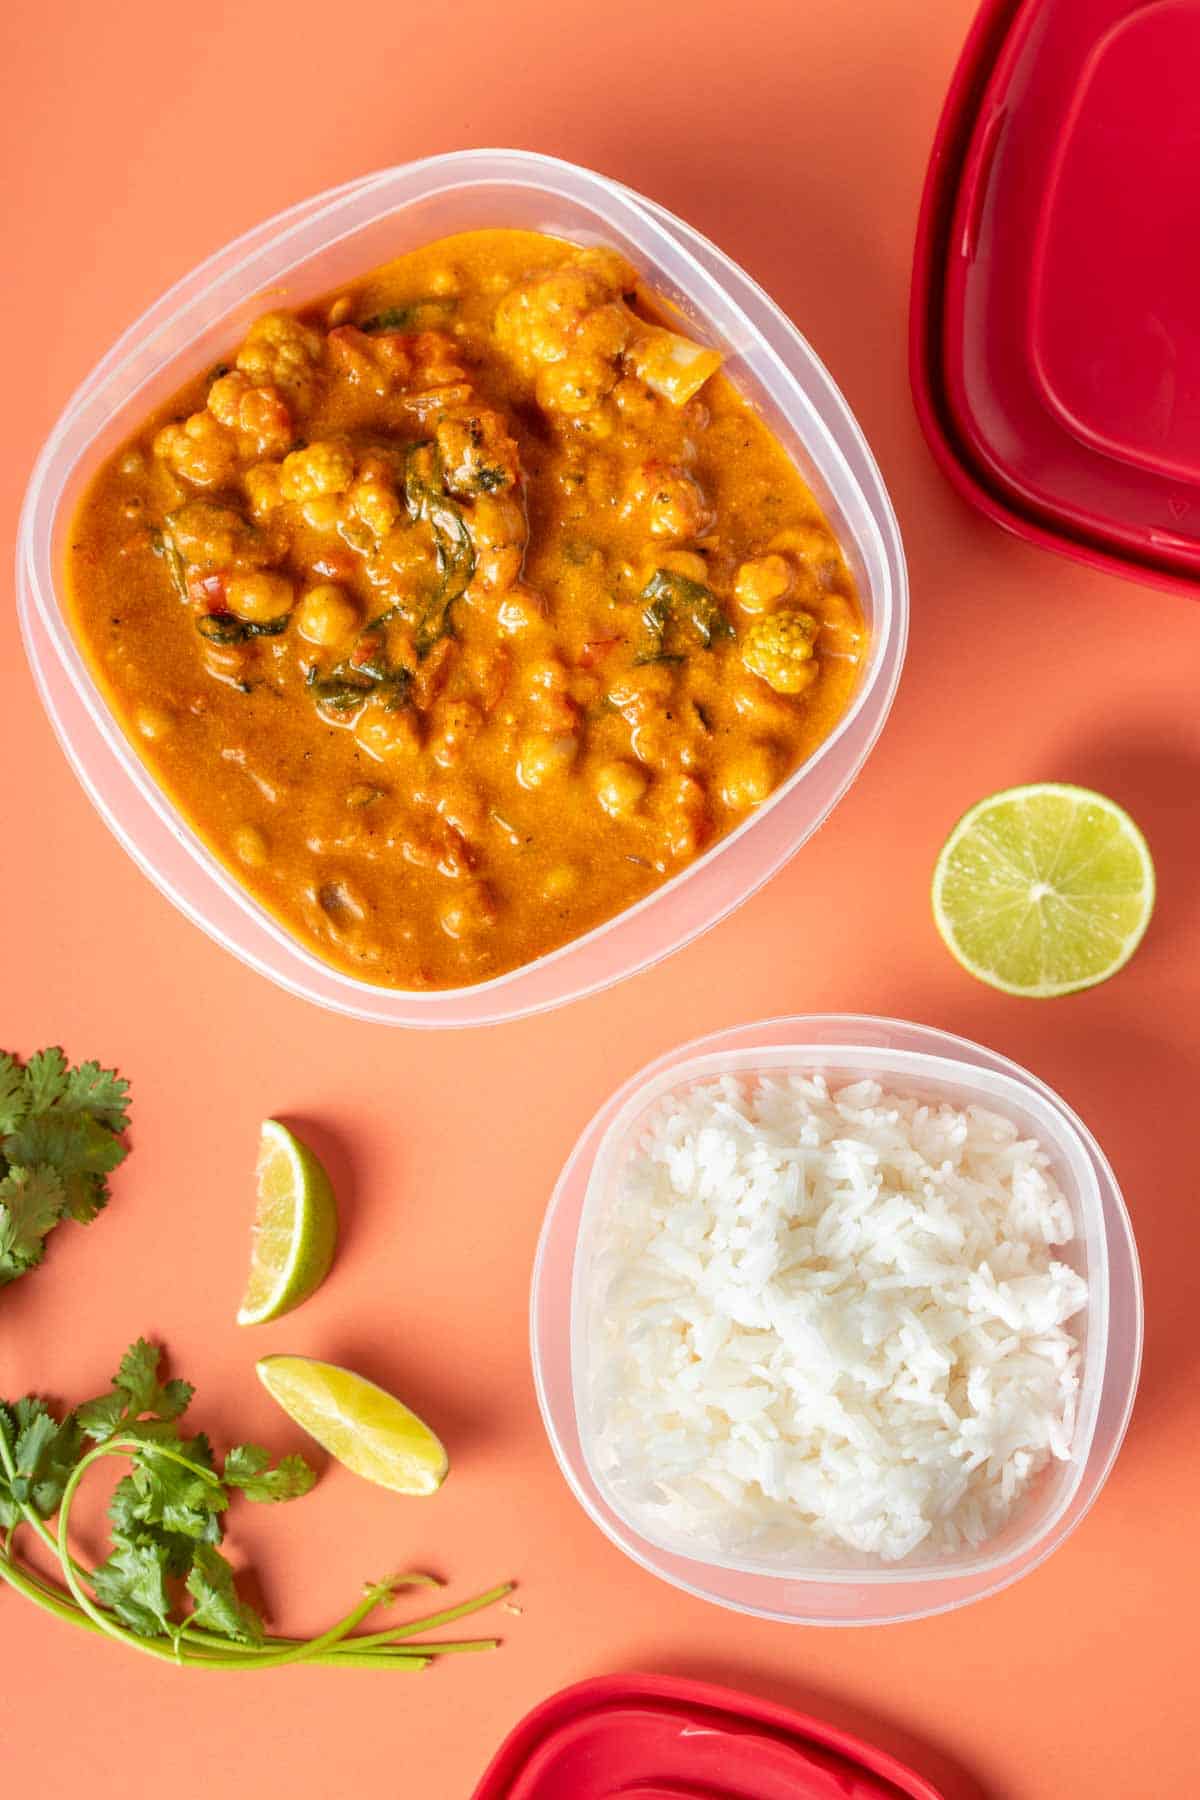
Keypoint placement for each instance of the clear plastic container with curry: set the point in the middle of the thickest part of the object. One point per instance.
(460, 610)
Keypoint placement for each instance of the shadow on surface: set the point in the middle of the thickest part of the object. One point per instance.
(441, 1404)
(333, 1152)
(1158, 781)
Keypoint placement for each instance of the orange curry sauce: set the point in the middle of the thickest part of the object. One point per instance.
(460, 610)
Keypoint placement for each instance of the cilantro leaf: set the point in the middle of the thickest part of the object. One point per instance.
(12, 1093)
(101, 1092)
(124, 1511)
(45, 1079)
(217, 1606)
(81, 1150)
(137, 1391)
(133, 1582)
(247, 1467)
(58, 1125)
(183, 1501)
(31, 1204)
(46, 1451)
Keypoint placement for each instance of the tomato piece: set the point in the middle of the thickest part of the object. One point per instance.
(207, 590)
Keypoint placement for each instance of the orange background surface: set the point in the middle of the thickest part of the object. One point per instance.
(135, 139)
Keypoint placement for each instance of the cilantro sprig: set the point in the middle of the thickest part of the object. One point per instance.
(166, 1588)
(59, 1142)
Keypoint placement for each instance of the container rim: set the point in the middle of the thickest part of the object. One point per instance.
(827, 1033)
(985, 40)
(207, 291)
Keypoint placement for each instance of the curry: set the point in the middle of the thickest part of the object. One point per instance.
(459, 610)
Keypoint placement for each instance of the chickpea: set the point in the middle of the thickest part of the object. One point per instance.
(250, 846)
(762, 581)
(578, 384)
(362, 794)
(620, 789)
(376, 505)
(597, 426)
(520, 611)
(324, 512)
(605, 331)
(326, 615)
(385, 732)
(457, 723)
(470, 909)
(260, 597)
(840, 624)
(686, 818)
(545, 757)
(688, 563)
(815, 558)
(634, 691)
(155, 722)
(548, 675)
(748, 778)
(636, 404)
(671, 501)
(262, 488)
(560, 882)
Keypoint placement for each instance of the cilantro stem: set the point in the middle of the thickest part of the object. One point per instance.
(413, 1626)
(335, 1647)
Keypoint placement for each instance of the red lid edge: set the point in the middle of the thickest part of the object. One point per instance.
(960, 110)
(588, 1696)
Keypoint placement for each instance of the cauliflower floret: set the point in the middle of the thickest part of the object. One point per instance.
(779, 649)
(574, 310)
(325, 467)
(376, 503)
(261, 484)
(378, 361)
(259, 414)
(577, 384)
(209, 536)
(200, 449)
(281, 352)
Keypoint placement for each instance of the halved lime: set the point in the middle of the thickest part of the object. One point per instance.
(295, 1227)
(1044, 890)
(363, 1426)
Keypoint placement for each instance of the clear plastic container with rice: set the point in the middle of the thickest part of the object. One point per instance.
(851, 1320)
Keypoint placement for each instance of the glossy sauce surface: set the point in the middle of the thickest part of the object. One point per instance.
(460, 610)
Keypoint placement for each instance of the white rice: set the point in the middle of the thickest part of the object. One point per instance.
(829, 1323)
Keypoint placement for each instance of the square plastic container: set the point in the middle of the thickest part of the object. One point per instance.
(828, 1589)
(310, 250)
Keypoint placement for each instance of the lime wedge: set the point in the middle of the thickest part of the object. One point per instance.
(1043, 890)
(364, 1427)
(295, 1227)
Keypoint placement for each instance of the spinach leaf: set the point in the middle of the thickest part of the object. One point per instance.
(673, 603)
(425, 495)
(409, 316)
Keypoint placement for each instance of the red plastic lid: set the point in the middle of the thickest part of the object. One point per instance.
(648, 1737)
(1055, 331)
